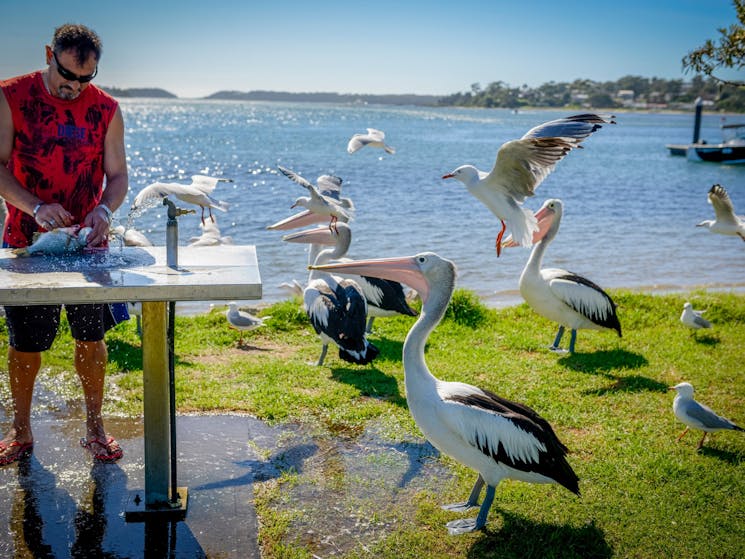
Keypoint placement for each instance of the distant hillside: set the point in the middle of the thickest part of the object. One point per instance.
(139, 92)
(326, 97)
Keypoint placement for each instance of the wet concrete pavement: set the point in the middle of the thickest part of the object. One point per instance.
(59, 503)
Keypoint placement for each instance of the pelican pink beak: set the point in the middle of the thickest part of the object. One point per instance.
(545, 217)
(402, 269)
(319, 235)
(298, 220)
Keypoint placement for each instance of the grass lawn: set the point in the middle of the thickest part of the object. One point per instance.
(643, 494)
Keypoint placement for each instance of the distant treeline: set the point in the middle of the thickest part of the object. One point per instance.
(629, 91)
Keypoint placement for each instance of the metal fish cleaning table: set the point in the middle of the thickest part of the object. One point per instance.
(129, 274)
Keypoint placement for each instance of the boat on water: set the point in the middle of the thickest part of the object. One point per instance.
(731, 150)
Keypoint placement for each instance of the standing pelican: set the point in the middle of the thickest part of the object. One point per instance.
(337, 310)
(384, 297)
(373, 138)
(494, 436)
(726, 222)
(520, 168)
(573, 301)
(318, 203)
(697, 416)
(197, 193)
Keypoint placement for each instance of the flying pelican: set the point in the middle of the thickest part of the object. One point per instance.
(520, 168)
(197, 193)
(692, 318)
(374, 138)
(243, 321)
(494, 436)
(317, 202)
(384, 297)
(726, 222)
(337, 310)
(564, 297)
(697, 416)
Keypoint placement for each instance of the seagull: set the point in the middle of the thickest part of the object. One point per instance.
(384, 297)
(692, 318)
(210, 236)
(317, 202)
(243, 321)
(197, 193)
(726, 222)
(697, 416)
(374, 138)
(521, 166)
(496, 437)
(130, 236)
(572, 300)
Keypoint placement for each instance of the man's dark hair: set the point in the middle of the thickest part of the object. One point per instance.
(78, 38)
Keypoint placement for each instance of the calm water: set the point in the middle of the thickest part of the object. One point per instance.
(630, 208)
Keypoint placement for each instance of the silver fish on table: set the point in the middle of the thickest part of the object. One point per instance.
(64, 240)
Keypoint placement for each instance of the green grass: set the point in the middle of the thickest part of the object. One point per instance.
(643, 494)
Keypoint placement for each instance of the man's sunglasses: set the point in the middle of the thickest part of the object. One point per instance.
(70, 76)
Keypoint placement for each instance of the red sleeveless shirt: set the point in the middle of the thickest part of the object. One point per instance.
(58, 149)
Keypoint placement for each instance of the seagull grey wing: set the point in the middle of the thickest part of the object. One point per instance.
(522, 164)
(206, 184)
(330, 185)
(376, 135)
(357, 142)
(706, 416)
(722, 204)
(577, 127)
(293, 176)
(155, 192)
(700, 320)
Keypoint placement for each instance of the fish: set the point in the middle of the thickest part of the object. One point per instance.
(63, 240)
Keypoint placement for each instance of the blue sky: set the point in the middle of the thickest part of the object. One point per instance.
(196, 47)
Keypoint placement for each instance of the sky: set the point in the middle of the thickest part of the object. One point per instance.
(194, 48)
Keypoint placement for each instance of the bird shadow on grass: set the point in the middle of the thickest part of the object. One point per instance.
(371, 382)
(706, 339)
(723, 455)
(522, 538)
(389, 349)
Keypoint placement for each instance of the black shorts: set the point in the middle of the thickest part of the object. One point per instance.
(33, 328)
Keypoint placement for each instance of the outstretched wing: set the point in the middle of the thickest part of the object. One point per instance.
(723, 207)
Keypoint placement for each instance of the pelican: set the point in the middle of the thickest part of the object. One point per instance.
(197, 193)
(337, 310)
(374, 138)
(520, 168)
(319, 203)
(726, 222)
(573, 301)
(384, 297)
(692, 318)
(243, 321)
(494, 436)
(697, 416)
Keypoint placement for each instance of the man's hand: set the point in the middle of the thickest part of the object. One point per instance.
(51, 216)
(98, 220)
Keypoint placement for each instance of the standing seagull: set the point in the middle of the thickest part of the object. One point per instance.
(692, 318)
(197, 193)
(374, 138)
(573, 301)
(242, 321)
(494, 436)
(318, 203)
(520, 168)
(726, 222)
(384, 297)
(697, 416)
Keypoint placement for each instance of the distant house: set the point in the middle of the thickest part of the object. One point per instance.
(625, 97)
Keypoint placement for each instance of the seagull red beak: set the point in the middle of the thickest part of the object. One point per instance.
(448, 176)
(403, 270)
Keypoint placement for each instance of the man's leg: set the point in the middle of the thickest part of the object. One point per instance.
(22, 369)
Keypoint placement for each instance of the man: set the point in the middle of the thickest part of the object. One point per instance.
(60, 136)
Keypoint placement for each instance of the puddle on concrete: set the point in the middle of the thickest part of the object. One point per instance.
(348, 491)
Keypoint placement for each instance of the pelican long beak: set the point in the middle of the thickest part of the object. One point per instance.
(319, 235)
(403, 270)
(545, 217)
(302, 219)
